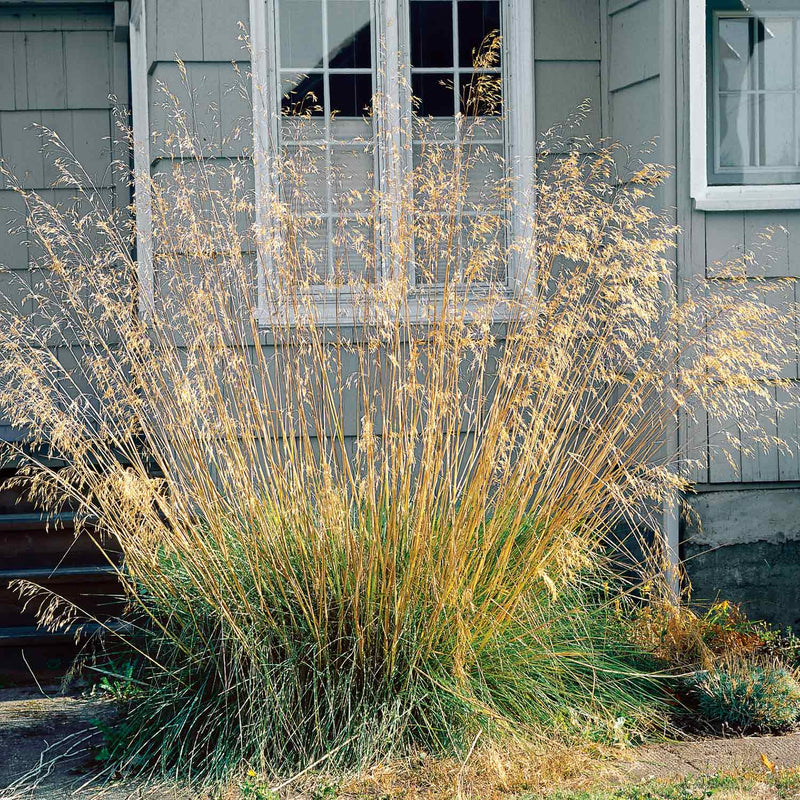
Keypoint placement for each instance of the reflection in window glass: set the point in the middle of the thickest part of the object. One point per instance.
(754, 96)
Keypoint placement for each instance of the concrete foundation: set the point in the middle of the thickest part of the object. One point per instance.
(744, 546)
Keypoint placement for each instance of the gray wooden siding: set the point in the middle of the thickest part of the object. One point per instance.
(567, 62)
(58, 67)
(709, 240)
(632, 68)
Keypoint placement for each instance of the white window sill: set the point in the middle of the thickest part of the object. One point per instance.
(326, 308)
(748, 198)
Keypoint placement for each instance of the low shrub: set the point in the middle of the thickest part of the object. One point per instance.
(680, 637)
(747, 697)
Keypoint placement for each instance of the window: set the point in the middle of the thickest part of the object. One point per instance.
(317, 64)
(754, 102)
(745, 104)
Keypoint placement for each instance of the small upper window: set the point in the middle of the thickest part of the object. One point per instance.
(753, 93)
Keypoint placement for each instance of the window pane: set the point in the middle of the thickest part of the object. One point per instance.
(481, 95)
(476, 20)
(303, 95)
(777, 130)
(775, 43)
(431, 33)
(353, 251)
(435, 95)
(735, 130)
(308, 248)
(301, 33)
(352, 173)
(734, 48)
(305, 182)
(351, 95)
(349, 33)
(485, 176)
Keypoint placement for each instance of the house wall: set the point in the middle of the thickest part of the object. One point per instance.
(741, 540)
(205, 35)
(58, 67)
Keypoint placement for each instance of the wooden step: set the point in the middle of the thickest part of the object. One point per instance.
(93, 589)
(32, 540)
(29, 654)
(43, 549)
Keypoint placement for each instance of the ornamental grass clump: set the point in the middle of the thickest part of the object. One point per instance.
(365, 509)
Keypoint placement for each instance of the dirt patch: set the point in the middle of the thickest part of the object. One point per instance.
(48, 747)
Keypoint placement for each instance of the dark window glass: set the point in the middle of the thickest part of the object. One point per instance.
(351, 95)
(349, 34)
(476, 20)
(434, 94)
(481, 94)
(303, 95)
(431, 34)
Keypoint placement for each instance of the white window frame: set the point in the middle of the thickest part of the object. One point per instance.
(743, 197)
(141, 157)
(391, 18)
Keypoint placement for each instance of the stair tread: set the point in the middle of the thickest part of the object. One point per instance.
(81, 571)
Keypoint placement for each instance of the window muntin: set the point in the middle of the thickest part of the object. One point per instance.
(754, 94)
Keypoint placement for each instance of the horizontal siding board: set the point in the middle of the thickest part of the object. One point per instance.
(20, 72)
(724, 451)
(635, 114)
(766, 238)
(566, 30)
(759, 457)
(793, 228)
(695, 448)
(634, 44)
(563, 85)
(218, 176)
(179, 30)
(13, 252)
(7, 98)
(22, 146)
(724, 240)
(213, 97)
(222, 31)
(788, 426)
(88, 66)
(53, 18)
(47, 81)
(615, 6)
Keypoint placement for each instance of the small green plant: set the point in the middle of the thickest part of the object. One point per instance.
(117, 681)
(326, 791)
(697, 788)
(253, 788)
(781, 645)
(747, 697)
